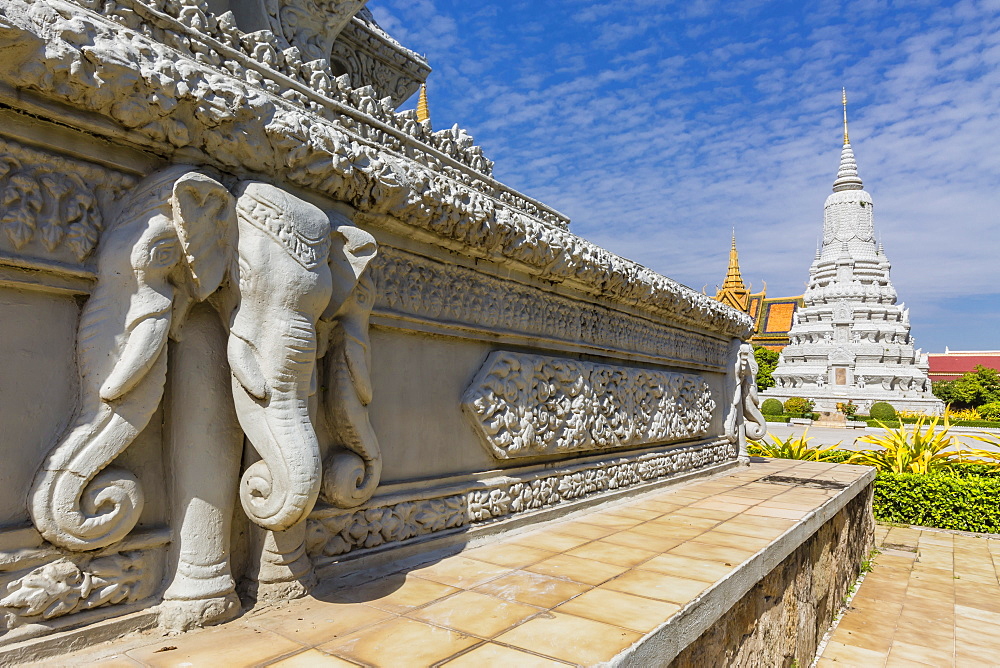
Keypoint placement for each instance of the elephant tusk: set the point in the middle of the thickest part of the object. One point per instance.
(144, 346)
(246, 369)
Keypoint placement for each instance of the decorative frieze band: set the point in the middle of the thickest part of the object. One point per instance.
(529, 405)
(50, 205)
(413, 286)
(333, 533)
(46, 583)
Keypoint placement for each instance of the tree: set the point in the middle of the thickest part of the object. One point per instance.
(972, 390)
(767, 361)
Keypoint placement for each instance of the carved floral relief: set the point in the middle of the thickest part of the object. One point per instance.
(334, 533)
(528, 405)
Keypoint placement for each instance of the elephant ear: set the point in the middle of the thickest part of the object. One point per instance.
(351, 251)
(204, 215)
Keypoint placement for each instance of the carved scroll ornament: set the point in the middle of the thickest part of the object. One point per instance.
(745, 419)
(527, 405)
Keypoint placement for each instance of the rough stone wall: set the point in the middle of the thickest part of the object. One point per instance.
(781, 621)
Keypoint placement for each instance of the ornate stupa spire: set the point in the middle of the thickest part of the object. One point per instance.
(423, 110)
(850, 340)
(847, 175)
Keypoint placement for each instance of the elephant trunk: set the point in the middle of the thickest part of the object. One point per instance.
(279, 491)
(75, 501)
(354, 469)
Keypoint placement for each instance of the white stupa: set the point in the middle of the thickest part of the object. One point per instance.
(851, 341)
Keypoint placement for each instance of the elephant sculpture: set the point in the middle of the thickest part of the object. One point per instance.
(227, 304)
(745, 419)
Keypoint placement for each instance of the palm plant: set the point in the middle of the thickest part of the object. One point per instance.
(794, 447)
(919, 450)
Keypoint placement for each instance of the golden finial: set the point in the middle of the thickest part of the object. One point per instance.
(423, 111)
(844, 99)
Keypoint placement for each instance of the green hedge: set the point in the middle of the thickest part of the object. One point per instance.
(776, 418)
(965, 502)
(957, 423)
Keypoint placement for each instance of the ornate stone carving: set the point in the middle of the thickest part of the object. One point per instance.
(529, 405)
(744, 419)
(372, 57)
(311, 26)
(40, 583)
(455, 295)
(209, 100)
(333, 533)
(51, 205)
(63, 587)
(279, 276)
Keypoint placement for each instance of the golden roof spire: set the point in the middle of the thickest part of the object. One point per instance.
(844, 98)
(733, 278)
(423, 111)
(734, 291)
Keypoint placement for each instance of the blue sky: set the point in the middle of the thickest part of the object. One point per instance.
(659, 126)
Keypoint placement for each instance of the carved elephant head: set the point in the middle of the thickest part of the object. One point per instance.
(265, 258)
(170, 245)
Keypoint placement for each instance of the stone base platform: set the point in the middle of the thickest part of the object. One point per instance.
(745, 568)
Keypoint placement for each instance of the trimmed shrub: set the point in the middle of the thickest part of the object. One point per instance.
(989, 411)
(965, 502)
(776, 418)
(771, 407)
(882, 410)
(798, 405)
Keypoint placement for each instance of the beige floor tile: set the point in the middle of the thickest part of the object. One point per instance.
(229, 645)
(662, 507)
(672, 532)
(706, 513)
(983, 639)
(636, 512)
(972, 614)
(586, 571)
(533, 589)
(609, 553)
(610, 521)
(570, 638)
(87, 659)
(508, 554)
(724, 539)
(554, 541)
(476, 614)
(660, 586)
(847, 655)
(400, 643)
(459, 571)
(315, 622)
(721, 553)
(620, 609)
(678, 521)
(754, 521)
(581, 529)
(938, 638)
(920, 654)
(972, 659)
(311, 658)
(643, 541)
(688, 567)
(489, 655)
(876, 639)
(767, 511)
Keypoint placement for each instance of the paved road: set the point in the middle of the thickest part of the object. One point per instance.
(848, 437)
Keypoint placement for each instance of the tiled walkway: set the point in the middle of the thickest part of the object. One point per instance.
(932, 600)
(577, 591)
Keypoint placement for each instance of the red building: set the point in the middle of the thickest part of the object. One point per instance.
(952, 364)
